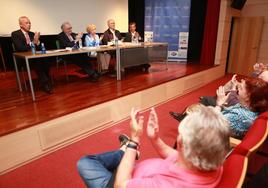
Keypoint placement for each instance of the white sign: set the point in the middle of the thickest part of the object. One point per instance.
(183, 44)
(148, 36)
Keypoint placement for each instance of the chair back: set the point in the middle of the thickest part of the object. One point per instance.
(57, 44)
(234, 171)
(255, 136)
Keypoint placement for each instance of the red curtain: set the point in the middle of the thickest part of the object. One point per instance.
(210, 32)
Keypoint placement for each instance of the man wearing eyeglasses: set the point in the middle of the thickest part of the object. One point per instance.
(69, 39)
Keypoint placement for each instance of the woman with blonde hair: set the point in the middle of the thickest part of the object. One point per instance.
(92, 40)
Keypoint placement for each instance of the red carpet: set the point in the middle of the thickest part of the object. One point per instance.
(59, 168)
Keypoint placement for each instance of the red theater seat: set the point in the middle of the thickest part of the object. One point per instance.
(234, 171)
(254, 138)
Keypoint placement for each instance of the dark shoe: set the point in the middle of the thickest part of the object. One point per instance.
(81, 71)
(104, 72)
(47, 88)
(145, 67)
(178, 116)
(112, 74)
(94, 77)
(123, 139)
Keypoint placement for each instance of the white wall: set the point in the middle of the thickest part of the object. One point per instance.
(47, 15)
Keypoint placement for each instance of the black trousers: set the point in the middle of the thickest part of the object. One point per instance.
(41, 66)
(81, 60)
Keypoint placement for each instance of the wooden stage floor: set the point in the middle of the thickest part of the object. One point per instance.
(18, 111)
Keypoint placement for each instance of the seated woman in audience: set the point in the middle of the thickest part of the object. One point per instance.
(203, 142)
(232, 97)
(253, 99)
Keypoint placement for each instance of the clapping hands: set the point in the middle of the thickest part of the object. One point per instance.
(221, 96)
(152, 125)
(36, 38)
(79, 36)
(234, 82)
(136, 125)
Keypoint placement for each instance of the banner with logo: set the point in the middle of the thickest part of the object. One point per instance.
(168, 21)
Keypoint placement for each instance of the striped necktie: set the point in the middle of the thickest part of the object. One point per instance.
(28, 40)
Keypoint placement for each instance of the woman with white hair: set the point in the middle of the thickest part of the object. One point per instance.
(203, 142)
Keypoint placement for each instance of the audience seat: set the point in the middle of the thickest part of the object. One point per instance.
(234, 171)
(254, 138)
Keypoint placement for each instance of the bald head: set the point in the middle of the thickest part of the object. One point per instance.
(25, 23)
(264, 76)
(111, 24)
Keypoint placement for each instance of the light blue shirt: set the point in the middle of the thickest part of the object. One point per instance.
(240, 118)
(90, 41)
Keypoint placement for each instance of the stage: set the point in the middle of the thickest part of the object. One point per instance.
(18, 111)
(79, 108)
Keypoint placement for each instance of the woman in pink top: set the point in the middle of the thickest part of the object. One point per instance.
(203, 142)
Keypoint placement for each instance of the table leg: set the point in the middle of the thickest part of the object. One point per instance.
(30, 78)
(118, 64)
(17, 73)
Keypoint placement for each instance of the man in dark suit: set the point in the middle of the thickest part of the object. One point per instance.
(132, 35)
(111, 33)
(69, 39)
(109, 36)
(21, 40)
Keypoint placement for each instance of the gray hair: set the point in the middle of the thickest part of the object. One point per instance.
(204, 136)
(63, 25)
(22, 17)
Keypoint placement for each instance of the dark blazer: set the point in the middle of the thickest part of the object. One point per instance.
(128, 37)
(108, 36)
(65, 41)
(19, 40)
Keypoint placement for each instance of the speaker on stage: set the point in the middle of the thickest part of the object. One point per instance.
(238, 4)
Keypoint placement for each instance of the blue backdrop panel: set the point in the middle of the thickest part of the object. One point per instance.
(166, 18)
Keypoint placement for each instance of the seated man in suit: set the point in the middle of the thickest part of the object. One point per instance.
(109, 36)
(69, 39)
(111, 33)
(132, 35)
(21, 40)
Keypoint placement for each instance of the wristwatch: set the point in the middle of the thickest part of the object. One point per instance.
(132, 146)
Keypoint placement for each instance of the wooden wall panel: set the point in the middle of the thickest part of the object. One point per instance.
(259, 8)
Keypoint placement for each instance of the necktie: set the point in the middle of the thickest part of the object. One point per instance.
(70, 38)
(28, 40)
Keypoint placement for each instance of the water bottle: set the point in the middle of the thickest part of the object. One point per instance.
(43, 49)
(116, 41)
(32, 47)
(80, 44)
